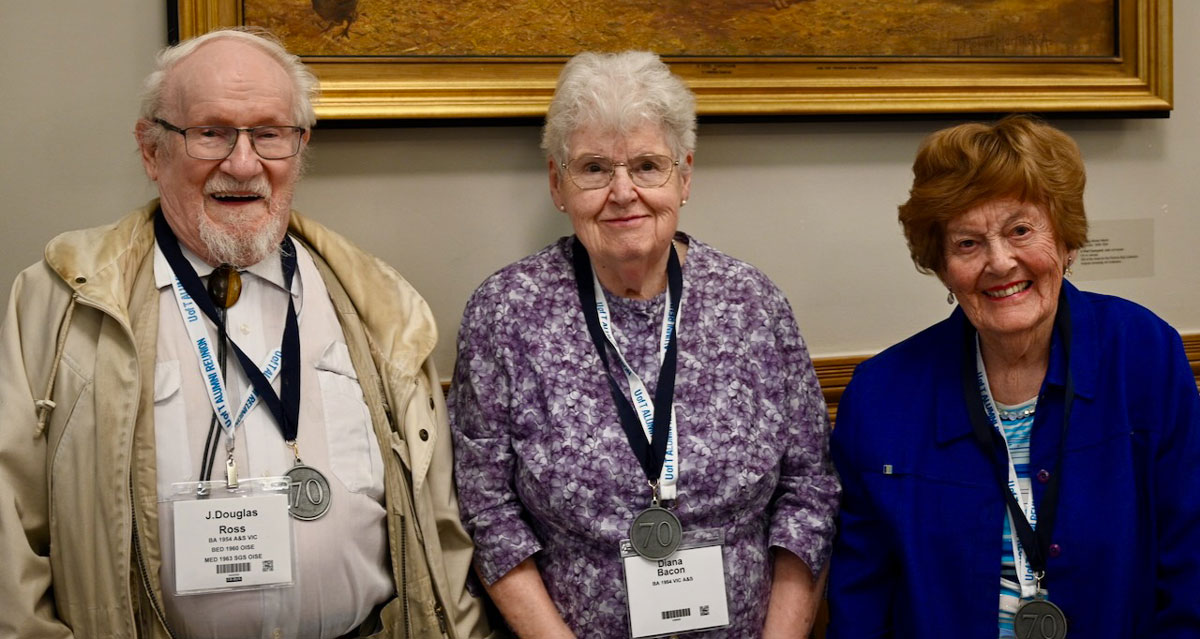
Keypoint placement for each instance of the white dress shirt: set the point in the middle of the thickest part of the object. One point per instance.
(342, 565)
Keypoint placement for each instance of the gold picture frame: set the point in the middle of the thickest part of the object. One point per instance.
(1137, 79)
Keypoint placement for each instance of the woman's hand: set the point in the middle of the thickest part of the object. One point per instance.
(794, 597)
(522, 598)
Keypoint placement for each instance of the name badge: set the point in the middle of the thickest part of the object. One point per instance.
(229, 540)
(683, 592)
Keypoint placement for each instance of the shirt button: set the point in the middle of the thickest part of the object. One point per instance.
(1055, 550)
(245, 329)
(1043, 475)
(276, 634)
(424, 435)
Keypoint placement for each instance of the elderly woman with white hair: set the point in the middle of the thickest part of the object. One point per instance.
(641, 441)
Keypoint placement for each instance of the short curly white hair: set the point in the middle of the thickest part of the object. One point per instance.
(619, 92)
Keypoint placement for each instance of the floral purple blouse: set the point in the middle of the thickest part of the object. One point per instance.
(544, 468)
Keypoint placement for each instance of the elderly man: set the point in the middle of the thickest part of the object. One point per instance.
(218, 418)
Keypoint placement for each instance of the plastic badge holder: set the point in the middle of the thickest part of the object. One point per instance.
(232, 539)
(654, 610)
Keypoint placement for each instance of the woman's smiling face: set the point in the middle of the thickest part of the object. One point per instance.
(1005, 266)
(622, 222)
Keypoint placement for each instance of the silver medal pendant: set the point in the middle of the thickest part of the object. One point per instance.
(655, 533)
(309, 496)
(1040, 619)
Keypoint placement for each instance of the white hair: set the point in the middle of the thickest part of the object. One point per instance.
(304, 83)
(619, 92)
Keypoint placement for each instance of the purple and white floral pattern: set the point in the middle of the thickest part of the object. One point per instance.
(544, 468)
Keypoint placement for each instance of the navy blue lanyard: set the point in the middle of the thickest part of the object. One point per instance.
(650, 455)
(1036, 543)
(285, 409)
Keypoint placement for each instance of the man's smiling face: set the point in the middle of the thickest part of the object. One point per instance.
(233, 210)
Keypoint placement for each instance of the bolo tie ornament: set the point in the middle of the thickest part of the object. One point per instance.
(225, 286)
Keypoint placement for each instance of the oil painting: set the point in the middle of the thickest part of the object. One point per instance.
(690, 28)
(481, 58)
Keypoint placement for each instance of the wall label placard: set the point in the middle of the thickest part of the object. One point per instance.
(1117, 249)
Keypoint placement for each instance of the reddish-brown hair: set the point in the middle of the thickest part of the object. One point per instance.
(964, 166)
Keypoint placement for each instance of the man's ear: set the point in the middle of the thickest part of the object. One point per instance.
(147, 141)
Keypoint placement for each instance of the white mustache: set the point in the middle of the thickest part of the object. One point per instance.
(220, 183)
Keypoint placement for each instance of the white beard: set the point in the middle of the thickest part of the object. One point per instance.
(237, 249)
(237, 242)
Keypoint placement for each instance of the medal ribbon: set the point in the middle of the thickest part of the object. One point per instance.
(654, 448)
(637, 389)
(212, 374)
(284, 362)
(1034, 544)
(1025, 574)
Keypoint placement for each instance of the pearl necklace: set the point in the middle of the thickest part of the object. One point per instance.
(1013, 415)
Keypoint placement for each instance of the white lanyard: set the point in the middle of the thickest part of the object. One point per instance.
(214, 382)
(643, 404)
(1025, 500)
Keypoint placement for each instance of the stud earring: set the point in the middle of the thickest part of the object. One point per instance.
(684, 202)
(562, 207)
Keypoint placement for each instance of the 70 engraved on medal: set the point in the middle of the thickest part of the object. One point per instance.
(309, 496)
(655, 533)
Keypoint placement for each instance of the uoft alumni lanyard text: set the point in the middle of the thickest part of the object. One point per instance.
(655, 448)
(283, 362)
(1037, 618)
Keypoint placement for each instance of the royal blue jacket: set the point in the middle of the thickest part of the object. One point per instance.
(919, 536)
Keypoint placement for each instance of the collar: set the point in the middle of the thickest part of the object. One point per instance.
(952, 422)
(269, 270)
(101, 264)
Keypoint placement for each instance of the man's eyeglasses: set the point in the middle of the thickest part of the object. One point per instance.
(595, 172)
(217, 142)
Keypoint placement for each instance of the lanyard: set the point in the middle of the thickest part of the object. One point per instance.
(654, 447)
(1034, 544)
(637, 389)
(284, 406)
(211, 372)
(1025, 572)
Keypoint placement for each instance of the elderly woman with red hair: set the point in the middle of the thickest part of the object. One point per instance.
(1026, 467)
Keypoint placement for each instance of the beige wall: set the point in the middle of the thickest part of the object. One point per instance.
(812, 204)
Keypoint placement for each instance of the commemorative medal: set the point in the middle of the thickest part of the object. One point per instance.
(1040, 619)
(308, 496)
(655, 533)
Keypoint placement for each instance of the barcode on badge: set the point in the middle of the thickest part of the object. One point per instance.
(268, 565)
(223, 569)
(704, 611)
(677, 614)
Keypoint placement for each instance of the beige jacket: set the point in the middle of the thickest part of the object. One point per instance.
(79, 552)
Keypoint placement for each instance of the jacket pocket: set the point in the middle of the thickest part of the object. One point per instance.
(354, 454)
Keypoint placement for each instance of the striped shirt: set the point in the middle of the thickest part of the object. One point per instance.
(1017, 422)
